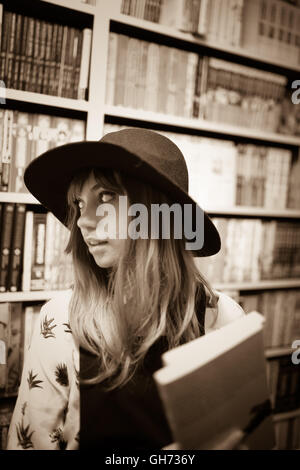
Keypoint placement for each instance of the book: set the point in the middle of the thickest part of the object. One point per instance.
(85, 64)
(5, 243)
(4, 337)
(180, 14)
(16, 249)
(218, 382)
(38, 252)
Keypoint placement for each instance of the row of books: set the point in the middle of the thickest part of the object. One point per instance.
(153, 77)
(44, 57)
(253, 250)
(32, 251)
(287, 433)
(215, 21)
(290, 120)
(17, 324)
(24, 136)
(245, 174)
(270, 26)
(145, 9)
(281, 309)
(284, 384)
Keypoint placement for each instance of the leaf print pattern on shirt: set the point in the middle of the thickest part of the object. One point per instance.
(24, 438)
(46, 329)
(32, 383)
(57, 436)
(68, 328)
(61, 373)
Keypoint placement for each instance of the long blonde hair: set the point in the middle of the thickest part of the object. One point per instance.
(118, 315)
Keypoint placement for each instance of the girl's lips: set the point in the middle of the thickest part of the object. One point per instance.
(95, 247)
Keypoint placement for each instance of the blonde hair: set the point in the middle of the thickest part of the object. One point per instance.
(118, 315)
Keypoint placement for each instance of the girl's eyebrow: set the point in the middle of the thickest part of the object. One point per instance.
(96, 186)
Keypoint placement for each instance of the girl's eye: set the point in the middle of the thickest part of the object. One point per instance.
(106, 196)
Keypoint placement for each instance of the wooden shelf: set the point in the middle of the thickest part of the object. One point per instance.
(280, 351)
(45, 295)
(199, 124)
(27, 198)
(46, 100)
(23, 198)
(286, 415)
(254, 211)
(27, 296)
(73, 5)
(188, 37)
(258, 285)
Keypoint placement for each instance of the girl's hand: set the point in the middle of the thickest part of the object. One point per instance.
(230, 440)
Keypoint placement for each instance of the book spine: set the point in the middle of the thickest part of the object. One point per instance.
(23, 46)
(49, 249)
(172, 13)
(21, 153)
(140, 101)
(5, 246)
(79, 36)
(41, 57)
(203, 21)
(28, 69)
(85, 64)
(10, 57)
(4, 338)
(62, 61)
(17, 59)
(28, 246)
(2, 113)
(164, 59)
(152, 85)
(35, 55)
(15, 262)
(6, 149)
(191, 70)
(180, 82)
(38, 252)
(51, 82)
(5, 22)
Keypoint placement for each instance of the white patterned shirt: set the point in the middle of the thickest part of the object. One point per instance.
(47, 411)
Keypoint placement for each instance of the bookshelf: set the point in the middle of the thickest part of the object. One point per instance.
(106, 17)
(198, 124)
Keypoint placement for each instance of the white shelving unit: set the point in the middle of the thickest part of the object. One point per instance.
(96, 111)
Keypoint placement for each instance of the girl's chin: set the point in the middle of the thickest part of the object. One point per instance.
(104, 261)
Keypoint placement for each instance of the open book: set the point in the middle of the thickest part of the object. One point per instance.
(218, 382)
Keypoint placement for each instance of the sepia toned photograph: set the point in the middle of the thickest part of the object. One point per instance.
(149, 228)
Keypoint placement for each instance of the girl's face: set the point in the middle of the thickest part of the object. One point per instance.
(106, 251)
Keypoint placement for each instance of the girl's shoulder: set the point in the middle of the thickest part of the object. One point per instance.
(226, 311)
(58, 306)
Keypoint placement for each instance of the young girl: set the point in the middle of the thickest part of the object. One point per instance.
(136, 294)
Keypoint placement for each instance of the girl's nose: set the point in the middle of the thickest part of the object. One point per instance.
(87, 219)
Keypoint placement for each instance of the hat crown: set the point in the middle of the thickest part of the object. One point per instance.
(155, 149)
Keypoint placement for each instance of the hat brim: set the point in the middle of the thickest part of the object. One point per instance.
(48, 178)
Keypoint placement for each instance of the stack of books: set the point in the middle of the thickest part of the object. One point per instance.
(24, 136)
(43, 56)
(32, 251)
(281, 309)
(162, 79)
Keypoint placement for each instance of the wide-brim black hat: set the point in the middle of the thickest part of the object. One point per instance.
(140, 153)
